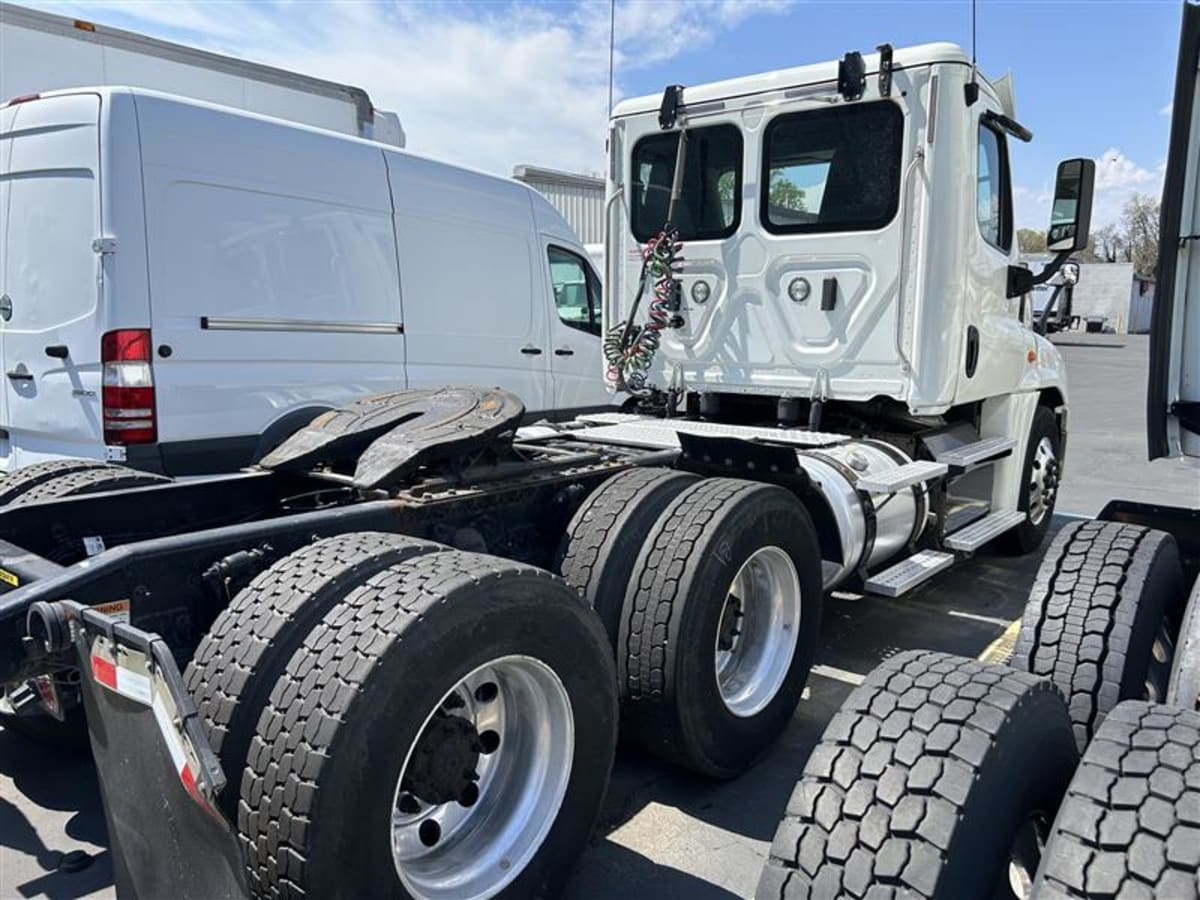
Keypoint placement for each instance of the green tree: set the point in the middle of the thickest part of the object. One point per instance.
(1031, 241)
(785, 194)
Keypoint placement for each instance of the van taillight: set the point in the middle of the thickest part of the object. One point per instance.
(127, 387)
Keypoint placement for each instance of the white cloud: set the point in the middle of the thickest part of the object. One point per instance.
(1166, 110)
(1117, 179)
(489, 86)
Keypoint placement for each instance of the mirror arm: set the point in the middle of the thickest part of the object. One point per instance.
(1021, 281)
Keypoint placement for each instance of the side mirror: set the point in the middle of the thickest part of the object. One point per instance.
(1071, 216)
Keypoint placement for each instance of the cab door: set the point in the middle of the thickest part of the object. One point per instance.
(576, 366)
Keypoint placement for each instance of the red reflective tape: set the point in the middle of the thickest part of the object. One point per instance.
(104, 671)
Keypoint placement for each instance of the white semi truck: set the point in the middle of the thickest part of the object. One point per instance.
(385, 691)
(1074, 771)
(42, 52)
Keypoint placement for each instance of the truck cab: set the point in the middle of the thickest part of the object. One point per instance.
(848, 233)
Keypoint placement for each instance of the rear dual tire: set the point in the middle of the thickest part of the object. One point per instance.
(720, 625)
(391, 667)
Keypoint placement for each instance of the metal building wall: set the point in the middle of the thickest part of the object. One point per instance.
(580, 198)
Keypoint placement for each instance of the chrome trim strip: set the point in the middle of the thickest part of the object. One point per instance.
(215, 323)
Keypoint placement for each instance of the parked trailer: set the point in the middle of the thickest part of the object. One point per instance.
(366, 619)
(45, 52)
(1074, 772)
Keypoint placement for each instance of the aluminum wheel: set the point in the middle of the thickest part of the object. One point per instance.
(1024, 857)
(1162, 655)
(1043, 481)
(759, 627)
(482, 785)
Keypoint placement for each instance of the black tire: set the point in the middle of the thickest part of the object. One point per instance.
(92, 480)
(1028, 536)
(1130, 824)
(607, 532)
(1097, 606)
(1184, 686)
(318, 793)
(674, 606)
(27, 478)
(922, 782)
(248, 646)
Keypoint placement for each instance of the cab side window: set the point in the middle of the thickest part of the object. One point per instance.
(576, 290)
(993, 191)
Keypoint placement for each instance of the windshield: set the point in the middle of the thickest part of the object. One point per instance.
(709, 207)
(835, 169)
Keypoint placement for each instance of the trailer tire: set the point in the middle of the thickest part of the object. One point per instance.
(1040, 474)
(92, 480)
(708, 678)
(27, 478)
(249, 644)
(607, 532)
(1130, 823)
(929, 781)
(1184, 687)
(1096, 617)
(348, 721)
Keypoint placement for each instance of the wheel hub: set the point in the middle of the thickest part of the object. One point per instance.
(444, 760)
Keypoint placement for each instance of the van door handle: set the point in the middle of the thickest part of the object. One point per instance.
(564, 351)
(532, 351)
(57, 351)
(19, 375)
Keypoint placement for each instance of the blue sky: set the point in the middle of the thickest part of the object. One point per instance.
(502, 83)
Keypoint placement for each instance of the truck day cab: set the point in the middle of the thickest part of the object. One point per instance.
(838, 390)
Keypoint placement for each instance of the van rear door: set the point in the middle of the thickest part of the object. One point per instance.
(50, 345)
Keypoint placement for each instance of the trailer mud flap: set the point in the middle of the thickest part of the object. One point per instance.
(158, 776)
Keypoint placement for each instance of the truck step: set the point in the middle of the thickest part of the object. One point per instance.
(908, 573)
(982, 451)
(980, 532)
(905, 476)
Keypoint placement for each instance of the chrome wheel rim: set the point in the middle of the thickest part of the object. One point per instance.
(1024, 857)
(1043, 481)
(1162, 655)
(483, 782)
(758, 630)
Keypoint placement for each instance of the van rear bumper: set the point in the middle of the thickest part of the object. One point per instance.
(210, 456)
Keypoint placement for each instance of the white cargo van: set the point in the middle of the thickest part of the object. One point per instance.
(183, 284)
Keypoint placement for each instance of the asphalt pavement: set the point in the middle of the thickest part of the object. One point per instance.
(665, 834)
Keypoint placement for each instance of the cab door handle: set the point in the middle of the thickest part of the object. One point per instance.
(19, 375)
(564, 351)
(532, 351)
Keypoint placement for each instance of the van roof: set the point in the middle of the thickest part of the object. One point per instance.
(547, 217)
(798, 76)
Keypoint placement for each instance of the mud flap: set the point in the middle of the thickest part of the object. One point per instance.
(158, 776)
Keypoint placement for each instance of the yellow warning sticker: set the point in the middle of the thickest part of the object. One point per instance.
(116, 609)
(9, 578)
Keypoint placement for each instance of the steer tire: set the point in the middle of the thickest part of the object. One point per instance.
(922, 782)
(320, 789)
(1184, 687)
(1028, 536)
(238, 661)
(1130, 824)
(91, 480)
(607, 532)
(674, 612)
(1095, 611)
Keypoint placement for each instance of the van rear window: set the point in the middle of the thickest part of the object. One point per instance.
(835, 169)
(710, 202)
